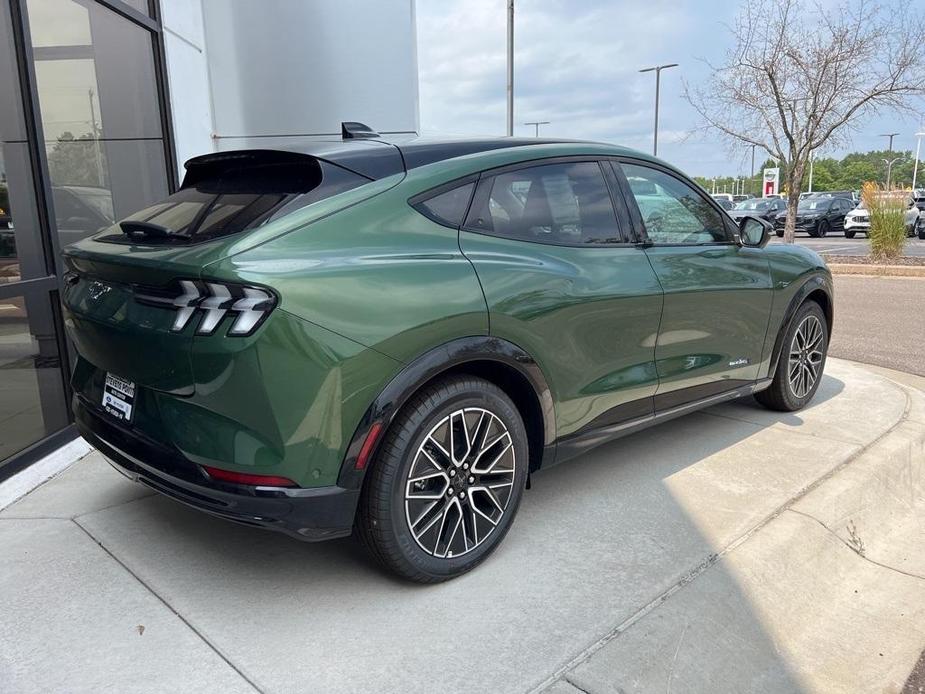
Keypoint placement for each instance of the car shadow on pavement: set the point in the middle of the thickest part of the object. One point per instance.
(597, 540)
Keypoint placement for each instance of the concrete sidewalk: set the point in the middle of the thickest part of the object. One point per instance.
(731, 550)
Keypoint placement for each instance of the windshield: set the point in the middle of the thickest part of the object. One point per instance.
(814, 205)
(753, 205)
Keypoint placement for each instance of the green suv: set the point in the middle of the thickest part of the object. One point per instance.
(389, 338)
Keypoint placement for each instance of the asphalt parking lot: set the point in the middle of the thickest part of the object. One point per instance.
(734, 550)
(860, 245)
(880, 320)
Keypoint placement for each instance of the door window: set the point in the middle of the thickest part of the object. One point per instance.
(673, 212)
(566, 204)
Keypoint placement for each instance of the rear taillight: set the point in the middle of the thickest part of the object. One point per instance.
(247, 478)
(213, 301)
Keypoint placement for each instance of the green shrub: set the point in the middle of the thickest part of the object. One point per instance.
(887, 221)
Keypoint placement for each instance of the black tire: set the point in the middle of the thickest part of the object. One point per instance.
(921, 231)
(849, 234)
(384, 515)
(780, 233)
(781, 395)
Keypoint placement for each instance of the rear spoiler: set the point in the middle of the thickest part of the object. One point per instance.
(363, 155)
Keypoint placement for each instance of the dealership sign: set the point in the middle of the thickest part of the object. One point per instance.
(771, 181)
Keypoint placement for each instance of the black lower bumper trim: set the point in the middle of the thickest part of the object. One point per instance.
(310, 514)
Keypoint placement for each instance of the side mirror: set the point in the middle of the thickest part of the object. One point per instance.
(754, 232)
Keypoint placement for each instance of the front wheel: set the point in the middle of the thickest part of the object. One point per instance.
(801, 363)
(849, 234)
(447, 481)
(921, 231)
(780, 233)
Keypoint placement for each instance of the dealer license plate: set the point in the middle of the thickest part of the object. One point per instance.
(119, 397)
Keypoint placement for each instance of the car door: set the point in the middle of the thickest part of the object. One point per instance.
(844, 207)
(563, 281)
(717, 293)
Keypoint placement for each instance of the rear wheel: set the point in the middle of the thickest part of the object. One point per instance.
(801, 363)
(447, 481)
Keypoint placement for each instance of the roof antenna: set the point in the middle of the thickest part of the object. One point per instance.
(351, 130)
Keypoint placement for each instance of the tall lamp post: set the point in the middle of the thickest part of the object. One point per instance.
(751, 178)
(918, 149)
(510, 68)
(889, 169)
(658, 74)
(891, 136)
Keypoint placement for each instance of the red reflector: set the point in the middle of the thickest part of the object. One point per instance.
(368, 446)
(247, 478)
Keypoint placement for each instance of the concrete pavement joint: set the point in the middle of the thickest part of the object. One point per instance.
(711, 559)
(852, 547)
(170, 607)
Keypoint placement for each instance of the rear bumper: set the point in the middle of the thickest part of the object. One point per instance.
(310, 514)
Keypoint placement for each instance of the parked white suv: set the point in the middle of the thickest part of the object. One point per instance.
(857, 220)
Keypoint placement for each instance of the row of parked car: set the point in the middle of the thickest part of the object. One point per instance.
(819, 214)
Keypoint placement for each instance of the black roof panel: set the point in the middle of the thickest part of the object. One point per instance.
(375, 158)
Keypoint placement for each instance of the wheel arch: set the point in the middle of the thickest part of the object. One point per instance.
(818, 288)
(496, 360)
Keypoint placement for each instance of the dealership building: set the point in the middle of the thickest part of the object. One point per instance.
(104, 100)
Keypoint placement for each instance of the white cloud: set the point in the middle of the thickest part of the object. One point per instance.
(576, 64)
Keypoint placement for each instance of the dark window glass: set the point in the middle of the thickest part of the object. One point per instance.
(448, 208)
(12, 127)
(673, 211)
(99, 105)
(564, 204)
(224, 202)
(21, 251)
(32, 394)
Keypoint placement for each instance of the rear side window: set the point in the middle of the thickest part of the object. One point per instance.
(565, 204)
(222, 198)
(448, 207)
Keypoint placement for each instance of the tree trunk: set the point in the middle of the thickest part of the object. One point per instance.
(794, 183)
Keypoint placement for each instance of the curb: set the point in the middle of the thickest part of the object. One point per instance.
(872, 270)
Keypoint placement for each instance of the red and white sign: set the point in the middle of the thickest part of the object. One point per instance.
(771, 181)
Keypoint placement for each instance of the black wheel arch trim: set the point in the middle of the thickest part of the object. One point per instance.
(815, 282)
(430, 365)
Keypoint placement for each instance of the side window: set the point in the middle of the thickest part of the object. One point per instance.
(673, 211)
(448, 207)
(566, 204)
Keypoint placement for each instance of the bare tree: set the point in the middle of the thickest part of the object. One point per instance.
(800, 77)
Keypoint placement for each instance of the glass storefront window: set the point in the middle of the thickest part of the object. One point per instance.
(97, 90)
(32, 397)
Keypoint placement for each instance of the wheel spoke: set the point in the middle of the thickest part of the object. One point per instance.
(806, 355)
(459, 483)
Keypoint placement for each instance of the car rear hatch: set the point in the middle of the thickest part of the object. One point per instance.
(134, 294)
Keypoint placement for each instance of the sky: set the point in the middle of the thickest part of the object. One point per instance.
(576, 64)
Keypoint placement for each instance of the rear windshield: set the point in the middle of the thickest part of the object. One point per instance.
(223, 199)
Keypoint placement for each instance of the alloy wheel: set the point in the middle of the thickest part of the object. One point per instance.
(460, 482)
(806, 356)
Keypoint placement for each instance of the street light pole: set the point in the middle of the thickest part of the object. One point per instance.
(812, 158)
(891, 136)
(889, 169)
(658, 76)
(918, 149)
(536, 124)
(751, 178)
(510, 68)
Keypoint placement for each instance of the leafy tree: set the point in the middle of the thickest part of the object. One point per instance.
(78, 161)
(802, 75)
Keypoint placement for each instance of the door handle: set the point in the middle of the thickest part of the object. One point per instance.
(712, 253)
